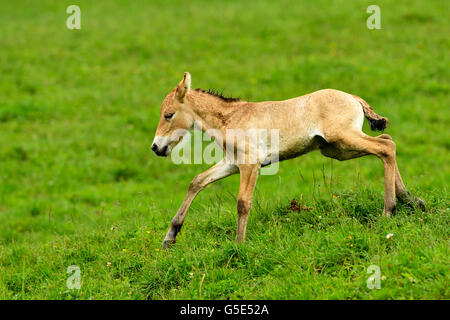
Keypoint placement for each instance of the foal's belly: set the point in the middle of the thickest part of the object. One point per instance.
(293, 148)
(298, 148)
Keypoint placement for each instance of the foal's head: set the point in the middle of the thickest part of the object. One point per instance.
(175, 119)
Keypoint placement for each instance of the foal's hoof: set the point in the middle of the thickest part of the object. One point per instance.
(168, 243)
(421, 204)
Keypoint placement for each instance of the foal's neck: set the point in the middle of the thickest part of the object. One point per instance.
(212, 111)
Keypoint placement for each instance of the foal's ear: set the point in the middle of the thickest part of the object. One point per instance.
(183, 87)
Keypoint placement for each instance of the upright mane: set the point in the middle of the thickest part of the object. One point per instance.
(218, 94)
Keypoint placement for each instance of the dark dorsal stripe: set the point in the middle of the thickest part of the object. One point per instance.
(218, 94)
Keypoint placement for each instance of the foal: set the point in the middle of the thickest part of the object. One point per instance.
(328, 120)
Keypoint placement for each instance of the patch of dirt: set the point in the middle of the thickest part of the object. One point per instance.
(296, 206)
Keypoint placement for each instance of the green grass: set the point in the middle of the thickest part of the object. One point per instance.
(79, 184)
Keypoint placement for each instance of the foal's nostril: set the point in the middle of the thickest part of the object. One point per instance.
(154, 147)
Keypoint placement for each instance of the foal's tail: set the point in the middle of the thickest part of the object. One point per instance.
(377, 122)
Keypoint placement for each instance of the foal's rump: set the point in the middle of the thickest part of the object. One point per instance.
(337, 112)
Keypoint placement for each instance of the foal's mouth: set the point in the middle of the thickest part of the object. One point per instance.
(164, 152)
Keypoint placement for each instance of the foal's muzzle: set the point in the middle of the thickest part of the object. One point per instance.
(160, 152)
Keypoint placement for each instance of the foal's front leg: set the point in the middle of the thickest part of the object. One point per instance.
(249, 175)
(219, 171)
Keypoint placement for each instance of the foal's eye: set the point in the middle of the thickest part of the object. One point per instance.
(169, 116)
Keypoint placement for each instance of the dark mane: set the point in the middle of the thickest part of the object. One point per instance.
(218, 94)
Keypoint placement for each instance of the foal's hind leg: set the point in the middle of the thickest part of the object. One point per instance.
(401, 192)
(356, 144)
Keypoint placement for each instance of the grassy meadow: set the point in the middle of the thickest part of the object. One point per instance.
(79, 184)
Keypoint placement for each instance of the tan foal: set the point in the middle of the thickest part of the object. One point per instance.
(328, 120)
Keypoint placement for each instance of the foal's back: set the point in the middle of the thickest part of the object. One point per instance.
(301, 120)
